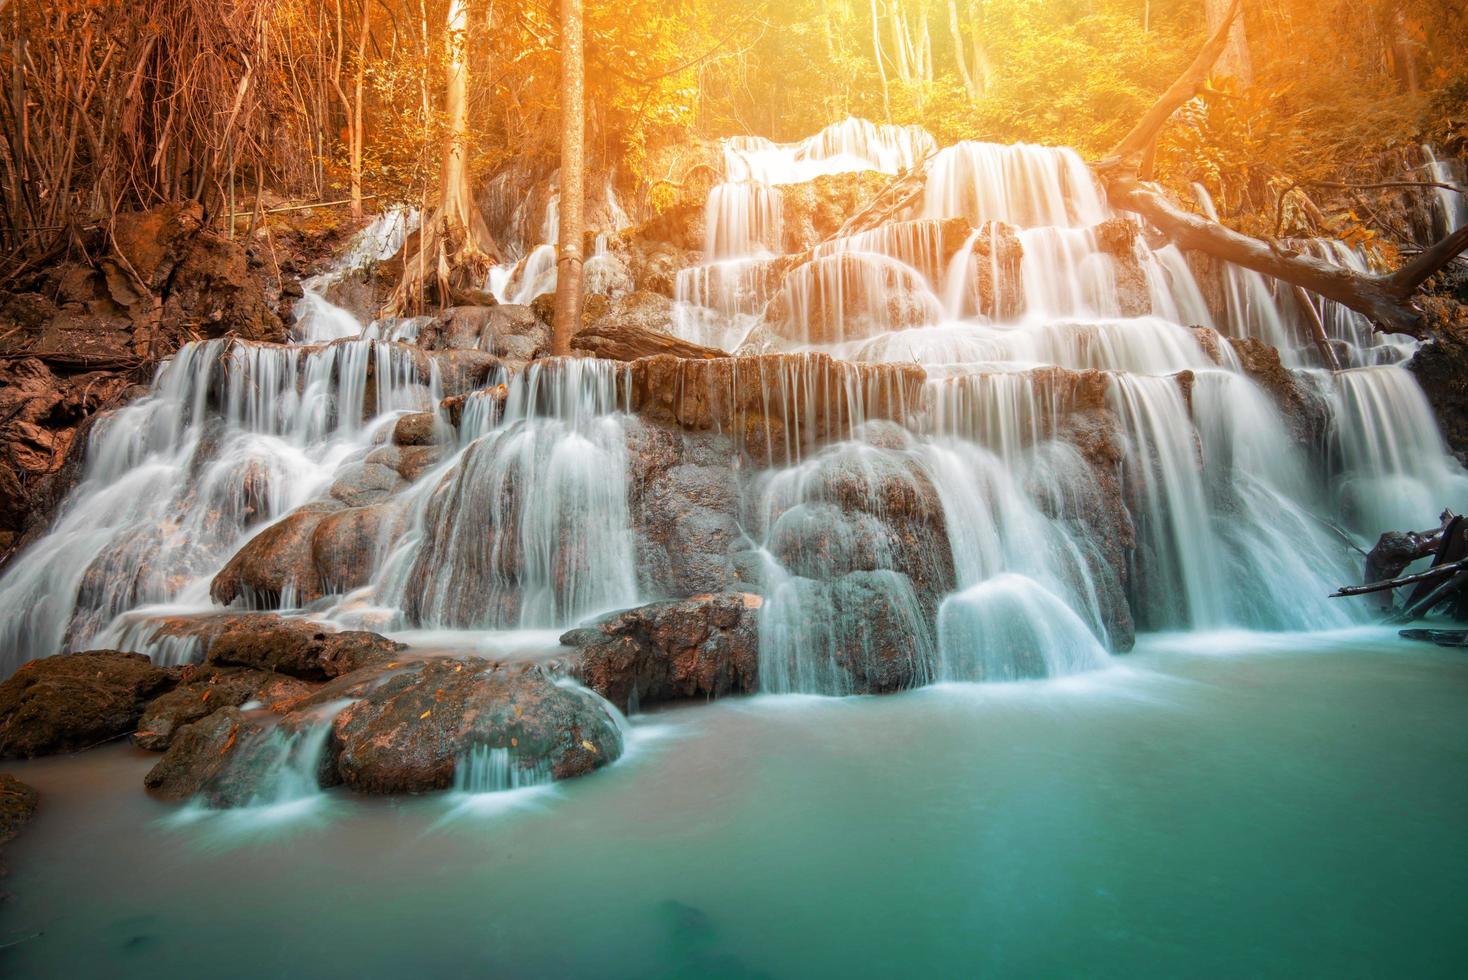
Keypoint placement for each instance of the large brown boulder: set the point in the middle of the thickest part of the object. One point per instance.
(277, 565)
(703, 647)
(346, 544)
(265, 641)
(299, 648)
(211, 756)
(211, 689)
(76, 700)
(410, 732)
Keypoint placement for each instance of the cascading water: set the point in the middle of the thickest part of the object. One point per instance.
(1086, 455)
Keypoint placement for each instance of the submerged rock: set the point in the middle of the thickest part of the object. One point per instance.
(703, 647)
(17, 807)
(408, 733)
(76, 700)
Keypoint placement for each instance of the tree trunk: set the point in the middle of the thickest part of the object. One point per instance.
(1384, 299)
(969, 85)
(455, 184)
(453, 246)
(881, 68)
(356, 130)
(567, 319)
(1235, 62)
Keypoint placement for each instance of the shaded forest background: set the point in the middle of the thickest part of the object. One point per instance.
(251, 105)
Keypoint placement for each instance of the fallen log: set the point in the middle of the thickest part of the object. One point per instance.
(1443, 638)
(627, 343)
(1384, 299)
(1430, 575)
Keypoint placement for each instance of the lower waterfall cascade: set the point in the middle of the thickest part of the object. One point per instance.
(989, 440)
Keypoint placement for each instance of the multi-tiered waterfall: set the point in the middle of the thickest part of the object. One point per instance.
(986, 439)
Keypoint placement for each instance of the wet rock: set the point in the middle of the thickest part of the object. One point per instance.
(297, 647)
(266, 641)
(684, 503)
(346, 544)
(815, 210)
(408, 733)
(417, 429)
(76, 700)
(463, 371)
(277, 567)
(1117, 238)
(862, 633)
(210, 757)
(1441, 365)
(365, 482)
(17, 806)
(209, 690)
(1304, 407)
(1086, 491)
(703, 647)
(866, 509)
(776, 406)
(508, 331)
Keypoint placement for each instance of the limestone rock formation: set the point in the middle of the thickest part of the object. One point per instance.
(706, 646)
(76, 700)
(408, 733)
(211, 689)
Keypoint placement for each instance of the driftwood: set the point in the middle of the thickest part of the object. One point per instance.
(621, 342)
(1443, 638)
(1430, 575)
(903, 191)
(1446, 581)
(1384, 299)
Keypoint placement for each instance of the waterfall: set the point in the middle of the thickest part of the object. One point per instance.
(1035, 437)
(1450, 206)
(494, 770)
(1010, 627)
(530, 528)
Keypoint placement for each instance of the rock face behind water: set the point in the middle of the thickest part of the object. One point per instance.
(408, 733)
(703, 647)
(76, 700)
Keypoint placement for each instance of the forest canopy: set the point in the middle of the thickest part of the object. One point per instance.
(110, 106)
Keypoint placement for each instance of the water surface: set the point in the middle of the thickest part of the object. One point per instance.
(1218, 805)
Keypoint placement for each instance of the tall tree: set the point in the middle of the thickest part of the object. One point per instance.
(573, 191)
(1235, 62)
(453, 246)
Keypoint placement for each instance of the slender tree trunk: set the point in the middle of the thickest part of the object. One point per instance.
(454, 198)
(983, 68)
(1235, 61)
(573, 192)
(356, 131)
(969, 85)
(881, 68)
